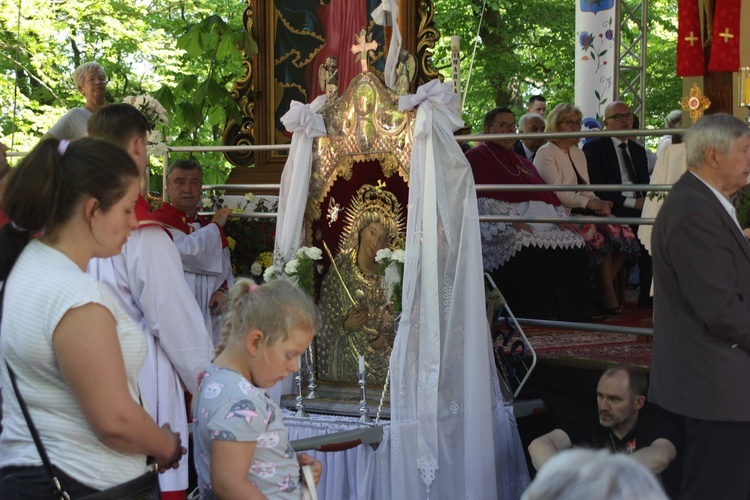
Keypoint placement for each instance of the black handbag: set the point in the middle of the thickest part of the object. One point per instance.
(143, 487)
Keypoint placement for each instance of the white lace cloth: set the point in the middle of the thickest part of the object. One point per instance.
(359, 473)
(451, 434)
(501, 241)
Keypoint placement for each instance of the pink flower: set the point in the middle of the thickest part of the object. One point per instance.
(615, 230)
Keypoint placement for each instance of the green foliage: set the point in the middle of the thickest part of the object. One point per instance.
(188, 54)
(528, 47)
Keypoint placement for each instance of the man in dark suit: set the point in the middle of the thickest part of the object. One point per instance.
(619, 160)
(530, 123)
(701, 351)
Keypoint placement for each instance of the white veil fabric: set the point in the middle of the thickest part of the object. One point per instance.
(391, 60)
(452, 435)
(305, 124)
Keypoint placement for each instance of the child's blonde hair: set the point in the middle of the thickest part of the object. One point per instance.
(273, 308)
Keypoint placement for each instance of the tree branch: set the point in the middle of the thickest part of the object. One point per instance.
(33, 77)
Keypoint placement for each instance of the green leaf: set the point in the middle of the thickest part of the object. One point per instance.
(202, 91)
(165, 96)
(217, 116)
(226, 47)
(187, 114)
(246, 43)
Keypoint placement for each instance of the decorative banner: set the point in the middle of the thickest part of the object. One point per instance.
(690, 60)
(725, 43)
(595, 56)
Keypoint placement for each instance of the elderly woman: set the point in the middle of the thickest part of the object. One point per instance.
(560, 161)
(91, 81)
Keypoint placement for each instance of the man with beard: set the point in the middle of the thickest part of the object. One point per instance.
(624, 424)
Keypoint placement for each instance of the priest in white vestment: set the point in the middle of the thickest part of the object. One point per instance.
(148, 282)
(201, 241)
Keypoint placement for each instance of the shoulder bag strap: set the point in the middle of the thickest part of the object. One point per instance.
(56, 486)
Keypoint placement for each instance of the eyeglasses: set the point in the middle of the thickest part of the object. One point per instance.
(94, 81)
(621, 116)
(504, 125)
(573, 123)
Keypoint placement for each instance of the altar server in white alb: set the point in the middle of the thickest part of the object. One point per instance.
(201, 241)
(148, 282)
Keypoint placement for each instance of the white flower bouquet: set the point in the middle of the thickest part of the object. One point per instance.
(392, 271)
(155, 115)
(300, 270)
(262, 264)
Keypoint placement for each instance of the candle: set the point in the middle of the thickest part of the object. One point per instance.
(746, 90)
(361, 364)
(455, 43)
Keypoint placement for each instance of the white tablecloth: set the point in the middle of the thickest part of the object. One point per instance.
(359, 473)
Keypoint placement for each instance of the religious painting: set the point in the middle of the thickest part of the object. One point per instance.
(357, 205)
(295, 40)
(357, 315)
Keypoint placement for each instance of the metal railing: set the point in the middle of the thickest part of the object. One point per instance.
(480, 188)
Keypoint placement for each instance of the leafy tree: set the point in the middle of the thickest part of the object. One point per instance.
(522, 51)
(186, 55)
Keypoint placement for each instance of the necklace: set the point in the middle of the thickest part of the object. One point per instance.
(520, 169)
(363, 275)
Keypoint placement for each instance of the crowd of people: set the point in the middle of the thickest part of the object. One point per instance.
(561, 270)
(111, 313)
(127, 307)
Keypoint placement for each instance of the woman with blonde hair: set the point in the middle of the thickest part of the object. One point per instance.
(561, 162)
(91, 81)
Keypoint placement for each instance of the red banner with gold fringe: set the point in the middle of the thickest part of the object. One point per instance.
(690, 61)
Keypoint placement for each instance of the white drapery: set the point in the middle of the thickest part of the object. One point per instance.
(451, 433)
(305, 124)
(359, 473)
(391, 60)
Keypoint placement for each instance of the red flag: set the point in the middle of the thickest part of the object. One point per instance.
(725, 43)
(690, 60)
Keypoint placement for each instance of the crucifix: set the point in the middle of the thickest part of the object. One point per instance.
(692, 38)
(362, 47)
(726, 35)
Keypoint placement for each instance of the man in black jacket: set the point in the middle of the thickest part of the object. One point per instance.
(619, 160)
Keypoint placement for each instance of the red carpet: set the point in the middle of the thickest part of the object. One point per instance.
(602, 347)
